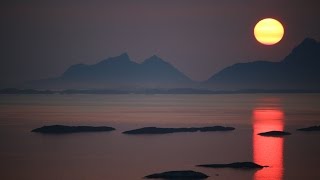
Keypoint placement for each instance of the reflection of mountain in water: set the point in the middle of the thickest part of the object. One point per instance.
(268, 150)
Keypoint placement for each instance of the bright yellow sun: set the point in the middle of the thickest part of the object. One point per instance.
(268, 31)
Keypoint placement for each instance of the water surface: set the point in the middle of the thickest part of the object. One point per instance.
(112, 155)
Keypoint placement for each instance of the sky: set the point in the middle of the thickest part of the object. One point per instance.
(41, 38)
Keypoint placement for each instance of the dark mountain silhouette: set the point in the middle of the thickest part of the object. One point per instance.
(118, 72)
(299, 70)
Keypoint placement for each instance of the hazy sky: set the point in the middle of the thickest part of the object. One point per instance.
(42, 38)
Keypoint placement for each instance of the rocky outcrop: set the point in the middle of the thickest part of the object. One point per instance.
(236, 165)
(157, 130)
(178, 175)
(61, 129)
(274, 133)
(311, 128)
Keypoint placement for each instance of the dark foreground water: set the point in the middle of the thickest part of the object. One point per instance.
(115, 156)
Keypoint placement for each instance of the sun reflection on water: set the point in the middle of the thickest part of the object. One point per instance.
(268, 150)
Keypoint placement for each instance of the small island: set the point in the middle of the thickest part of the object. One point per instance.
(311, 128)
(157, 130)
(236, 165)
(62, 129)
(178, 175)
(274, 133)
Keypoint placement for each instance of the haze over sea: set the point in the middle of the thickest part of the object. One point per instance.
(115, 156)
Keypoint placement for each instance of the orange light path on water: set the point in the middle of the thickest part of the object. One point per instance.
(268, 150)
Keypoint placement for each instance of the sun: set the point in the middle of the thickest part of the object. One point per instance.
(268, 31)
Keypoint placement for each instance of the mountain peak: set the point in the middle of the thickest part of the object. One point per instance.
(154, 59)
(307, 51)
(122, 57)
(307, 44)
(119, 72)
(308, 41)
(299, 70)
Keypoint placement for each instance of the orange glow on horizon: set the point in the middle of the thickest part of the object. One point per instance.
(268, 150)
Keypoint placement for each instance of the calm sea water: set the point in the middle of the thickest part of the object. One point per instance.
(115, 156)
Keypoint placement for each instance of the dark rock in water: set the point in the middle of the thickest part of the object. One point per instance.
(236, 165)
(178, 175)
(61, 129)
(156, 130)
(274, 133)
(311, 128)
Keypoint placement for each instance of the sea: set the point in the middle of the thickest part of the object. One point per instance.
(25, 155)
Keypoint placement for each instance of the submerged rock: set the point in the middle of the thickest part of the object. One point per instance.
(236, 165)
(311, 128)
(178, 175)
(156, 130)
(274, 133)
(61, 129)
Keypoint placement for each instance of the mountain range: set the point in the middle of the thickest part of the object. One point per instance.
(299, 70)
(118, 72)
